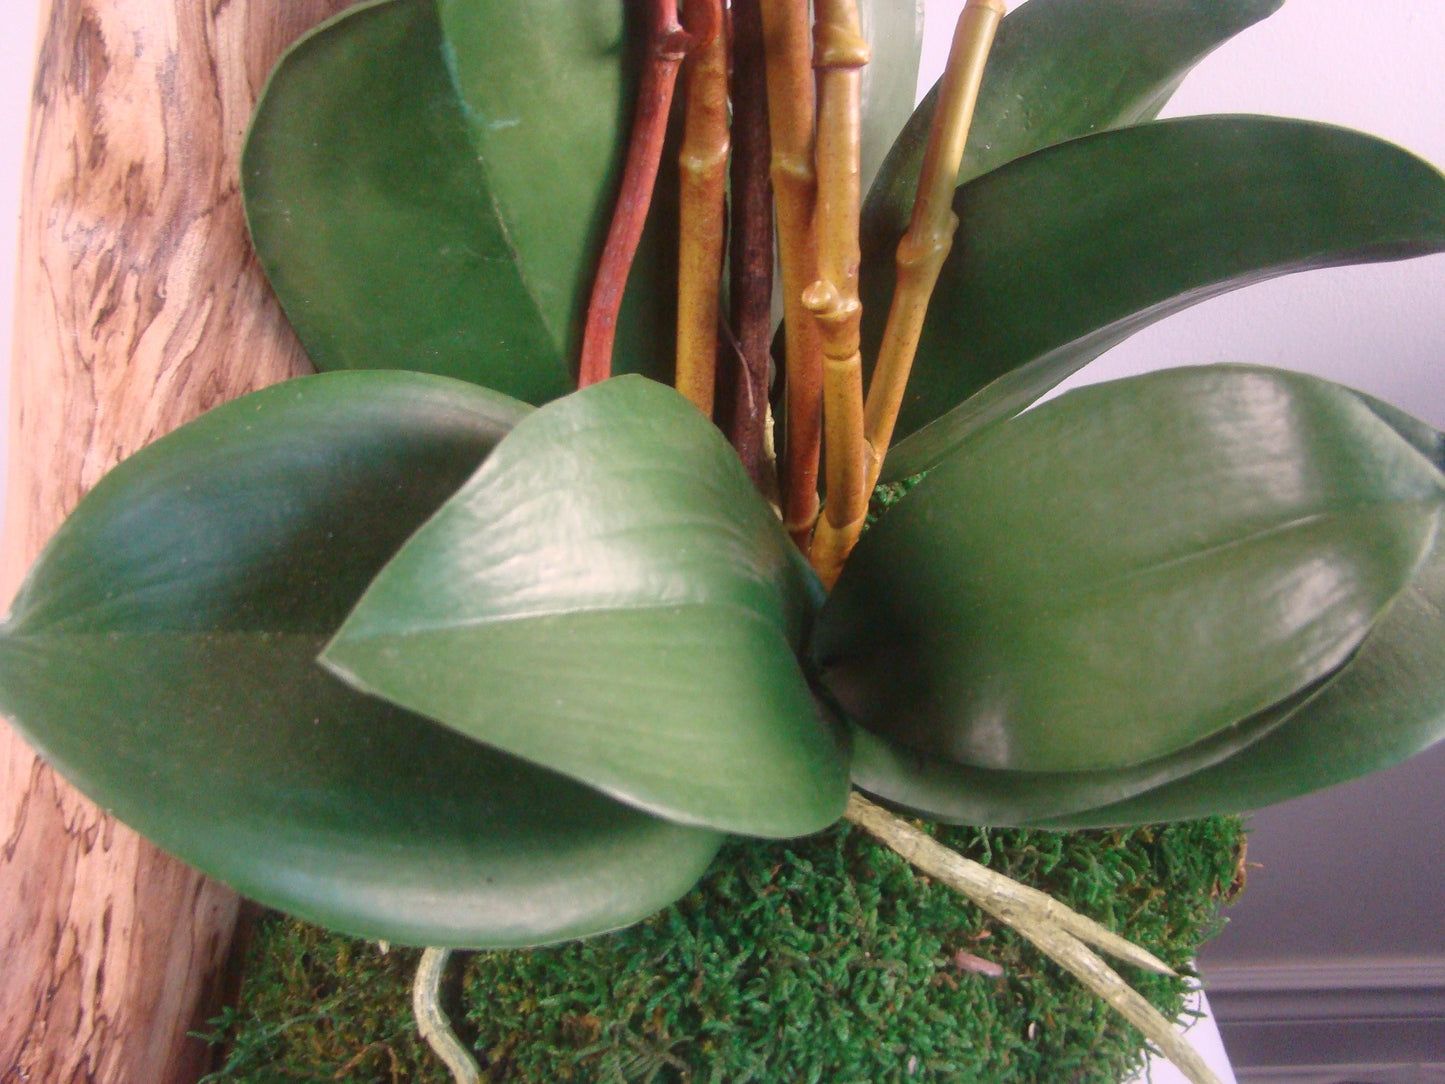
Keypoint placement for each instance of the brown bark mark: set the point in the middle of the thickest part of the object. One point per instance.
(138, 306)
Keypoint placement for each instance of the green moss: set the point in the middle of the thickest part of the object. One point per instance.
(822, 959)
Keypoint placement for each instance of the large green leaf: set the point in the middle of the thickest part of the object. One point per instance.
(548, 88)
(941, 789)
(609, 597)
(162, 656)
(1124, 572)
(1061, 69)
(1385, 705)
(403, 226)
(1067, 252)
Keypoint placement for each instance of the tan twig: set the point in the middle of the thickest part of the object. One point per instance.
(930, 231)
(1061, 934)
(787, 49)
(432, 1022)
(839, 54)
(920, 255)
(702, 226)
(668, 43)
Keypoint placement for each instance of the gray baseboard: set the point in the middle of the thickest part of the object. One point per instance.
(1337, 1022)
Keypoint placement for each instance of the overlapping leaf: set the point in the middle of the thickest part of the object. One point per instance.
(1121, 574)
(1386, 704)
(1067, 252)
(610, 598)
(941, 789)
(1061, 69)
(405, 224)
(162, 656)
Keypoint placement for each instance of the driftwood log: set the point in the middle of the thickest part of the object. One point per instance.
(138, 306)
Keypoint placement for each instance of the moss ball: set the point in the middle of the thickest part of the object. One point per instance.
(824, 959)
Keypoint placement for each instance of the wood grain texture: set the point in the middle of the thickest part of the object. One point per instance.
(138, 306)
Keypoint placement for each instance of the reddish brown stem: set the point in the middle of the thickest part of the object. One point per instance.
(743, 372)
(667, 45)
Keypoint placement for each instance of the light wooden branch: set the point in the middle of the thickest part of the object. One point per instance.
(839, 55)
(787, 49)
(702, 226)
(920, 258)
(930, 232)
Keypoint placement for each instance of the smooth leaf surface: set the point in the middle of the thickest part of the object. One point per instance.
(1060, 69)
(402, 228)
(610, 598)
(894, 29)
(548, 88)
(940, 789)
(1069, 251)
(1385, 705)
(1122, 573)
(162, 656)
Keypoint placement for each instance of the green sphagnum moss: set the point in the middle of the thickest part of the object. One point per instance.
(819, 960)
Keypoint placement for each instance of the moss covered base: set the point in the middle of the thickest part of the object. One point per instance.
(822, 959)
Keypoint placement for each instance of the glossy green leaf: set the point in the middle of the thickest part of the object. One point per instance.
(1385, 705)
(402, 228)
(1069, 251)
(162, 656)
(1061, 69)
(894, 29)
(548, 88)
(610, 598)
(1122, 573)
(940, 789)
(1425, 439)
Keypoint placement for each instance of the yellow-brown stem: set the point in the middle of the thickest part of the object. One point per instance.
(787, 48)
(930, 231)
(702, 226)
(839, 54)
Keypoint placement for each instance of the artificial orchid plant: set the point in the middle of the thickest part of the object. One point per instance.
(434, 648)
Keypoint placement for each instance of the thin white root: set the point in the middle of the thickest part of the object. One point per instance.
(432, 1022)
(1061, 934)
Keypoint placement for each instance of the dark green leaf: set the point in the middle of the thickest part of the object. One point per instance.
(1122, 573)
(610, 598)
(940, 789)
(402, 228)
(1385, 705)
(1425, 439)
(549, 90)
(1066, 253)
(162, 656)
(1061, 69)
